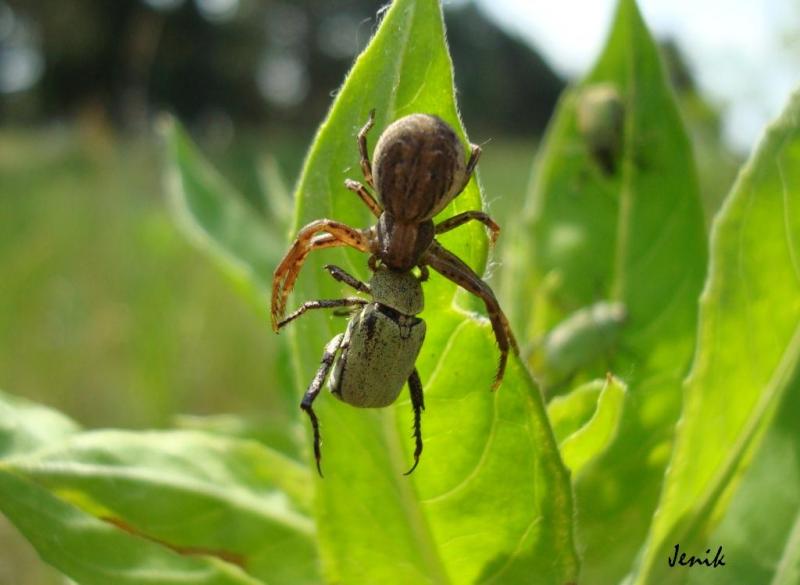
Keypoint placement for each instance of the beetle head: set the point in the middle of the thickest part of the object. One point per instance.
(401, 291)
(418, 167)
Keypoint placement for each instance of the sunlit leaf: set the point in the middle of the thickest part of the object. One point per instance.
(25, 426)
(94, 552)
(591, 438)
(615, 216)
(266, 429)
(570, 411)
(230, 499)
(490, 500)
(747, 366)
(760, 531)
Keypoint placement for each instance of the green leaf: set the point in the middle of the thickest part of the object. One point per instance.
(94, 552)
(760, 532)
(748, 358)
(615, 216)
(25, 426)
(490, 500)
(264, 428)
(569, 412)
(583, 337)
(198, 494)
(593, 437)
(217, 219)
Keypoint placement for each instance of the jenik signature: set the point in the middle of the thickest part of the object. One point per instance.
(681, 559)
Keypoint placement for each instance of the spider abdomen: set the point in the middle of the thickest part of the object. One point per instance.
(418, 167)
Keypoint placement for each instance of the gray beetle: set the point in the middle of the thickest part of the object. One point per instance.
(578, 340)
(377, 352)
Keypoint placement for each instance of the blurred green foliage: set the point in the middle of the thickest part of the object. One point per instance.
(104, 309)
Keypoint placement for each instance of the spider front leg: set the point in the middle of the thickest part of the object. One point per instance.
(462, 218)
(472, 162)
(340, 275)
(319, 234)
(365, 196)
(452, 267)
(313, 391)
(366, 166)
(322, 304)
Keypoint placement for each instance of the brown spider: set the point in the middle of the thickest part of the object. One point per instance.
(419, 168)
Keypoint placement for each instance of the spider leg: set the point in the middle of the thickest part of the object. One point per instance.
(365, 196)
(472, 162)
(322, 304)
(313, 391)
(418, 404)
(452, 267)
(462, 218)
(319, 234)
(366, 166)
(373, 263)
(343, 276)
(474, 155)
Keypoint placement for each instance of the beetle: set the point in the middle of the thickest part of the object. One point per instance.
(377, 352)
(419, 168)
(601, 122)
(578, 340)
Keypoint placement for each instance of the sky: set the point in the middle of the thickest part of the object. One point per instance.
(745, 54)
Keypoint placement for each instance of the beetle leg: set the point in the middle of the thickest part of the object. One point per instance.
(322, 304)
(313, 391)
(418, 404)
(317, 235)
(462, 218)
(365, 196)
(342, 276)
(452, 267)
(366, 166)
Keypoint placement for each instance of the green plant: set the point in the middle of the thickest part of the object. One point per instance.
(510, 490)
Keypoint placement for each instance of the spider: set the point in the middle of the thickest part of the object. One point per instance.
(418, 169)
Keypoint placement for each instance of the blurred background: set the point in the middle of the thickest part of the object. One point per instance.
(108, 314)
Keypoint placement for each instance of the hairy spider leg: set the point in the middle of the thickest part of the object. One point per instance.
(472, 162)
(365, 196)
(366, 166)
(418, 404)
(323, 304)
(317, 235)
(313, 391)
(462, 218)
(452, 267)
(340, 274)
